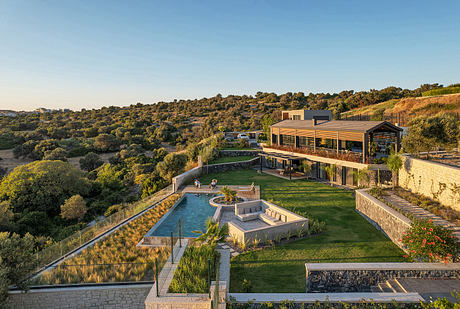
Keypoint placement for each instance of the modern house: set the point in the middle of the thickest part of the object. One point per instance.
(320, 142)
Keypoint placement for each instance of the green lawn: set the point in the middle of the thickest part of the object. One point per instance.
(231, 159)
(348, 237)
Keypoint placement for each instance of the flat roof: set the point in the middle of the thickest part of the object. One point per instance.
(335, 125)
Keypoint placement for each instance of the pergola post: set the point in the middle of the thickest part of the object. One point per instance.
(260, 156)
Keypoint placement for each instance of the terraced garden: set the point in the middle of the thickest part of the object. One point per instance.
(347, 238)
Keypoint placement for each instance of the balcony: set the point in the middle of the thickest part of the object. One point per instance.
(345, 155)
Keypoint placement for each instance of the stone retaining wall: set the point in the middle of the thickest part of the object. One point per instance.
(384, 218)
(186, 178)
(237, 153)
(223, 167)
(434, 180)
(131, 297)
(359, 277)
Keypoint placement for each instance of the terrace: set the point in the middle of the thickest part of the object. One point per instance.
(348, 237)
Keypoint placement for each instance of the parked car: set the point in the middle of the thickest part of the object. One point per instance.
(243, 136)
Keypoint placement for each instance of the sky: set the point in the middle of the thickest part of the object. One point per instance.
(88, 54)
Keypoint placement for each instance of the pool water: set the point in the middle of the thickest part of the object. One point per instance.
(193, 210)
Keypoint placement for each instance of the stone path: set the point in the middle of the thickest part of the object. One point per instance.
(421, 213)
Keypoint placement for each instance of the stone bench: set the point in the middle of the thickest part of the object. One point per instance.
(269, 220)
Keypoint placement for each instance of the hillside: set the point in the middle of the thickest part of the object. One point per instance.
(412, 106)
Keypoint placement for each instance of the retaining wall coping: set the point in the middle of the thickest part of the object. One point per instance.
(352, 297)
(433, 162)
(83, 288)
(391, 211)
(380, 266)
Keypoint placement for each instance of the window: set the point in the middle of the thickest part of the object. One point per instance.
(274, 139)
(295, 117)
(287, 140)
(305, 141)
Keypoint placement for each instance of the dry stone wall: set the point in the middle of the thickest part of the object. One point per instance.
(113, 297)
(434, 180)
(393, 224)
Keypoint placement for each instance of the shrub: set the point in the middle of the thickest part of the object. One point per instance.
(427, 242)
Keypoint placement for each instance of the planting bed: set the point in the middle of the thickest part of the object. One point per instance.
(115, 258)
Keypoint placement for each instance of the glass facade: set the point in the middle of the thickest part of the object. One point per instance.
(287, 140)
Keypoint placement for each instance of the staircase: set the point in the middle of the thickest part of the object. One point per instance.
(389, 286)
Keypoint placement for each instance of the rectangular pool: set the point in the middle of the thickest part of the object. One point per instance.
(193, 209)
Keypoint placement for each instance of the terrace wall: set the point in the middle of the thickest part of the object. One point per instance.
(130, 296)
(434, 180)
(185, 178)
(393, 224)
(223, 167)
(238, 153)
(359, 277)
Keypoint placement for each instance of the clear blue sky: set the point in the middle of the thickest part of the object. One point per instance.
(75, 54)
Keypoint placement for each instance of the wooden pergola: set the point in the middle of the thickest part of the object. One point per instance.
(288, 158)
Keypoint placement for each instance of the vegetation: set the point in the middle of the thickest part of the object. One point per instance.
(347, 237)
(432, 206)
(229, 194)
(214, 233)
(116, 257)
(427, 242)
(431, 133)
(74, 208)
(191, 275)
(16, 256)
(394, 163)
(455, 88)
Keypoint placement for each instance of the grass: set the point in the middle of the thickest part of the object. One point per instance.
(231, 159)
(116, 257)
(191, 275)
(348, 237)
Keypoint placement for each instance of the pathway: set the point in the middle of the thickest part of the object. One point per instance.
(420, 213)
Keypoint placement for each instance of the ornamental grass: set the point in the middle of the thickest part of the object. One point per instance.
(115, 258)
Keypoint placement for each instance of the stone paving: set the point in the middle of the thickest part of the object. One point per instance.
(421, 213)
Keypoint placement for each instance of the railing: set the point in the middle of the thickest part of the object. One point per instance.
(323, 152)
(63, 247)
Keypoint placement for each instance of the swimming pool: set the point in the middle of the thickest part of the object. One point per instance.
(193, 210)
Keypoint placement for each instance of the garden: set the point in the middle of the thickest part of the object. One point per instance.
(115, 258)
(347, 237)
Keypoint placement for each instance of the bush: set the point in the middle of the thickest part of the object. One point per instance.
(427, 242)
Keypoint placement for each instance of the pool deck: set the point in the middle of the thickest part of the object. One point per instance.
(242, 191)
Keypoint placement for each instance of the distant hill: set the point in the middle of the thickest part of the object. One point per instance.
(425, 105)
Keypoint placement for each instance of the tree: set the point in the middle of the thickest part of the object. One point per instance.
(90, 162)
(229, 194)
(330, 170)
(306, 167)
(208, 153)
(361, 176)
(172, 165)
(106, 143)
(56, 154)
(394, 163)
(42, 186)
(6, 215)
(267, 121)
(16, 261)
(74, 208)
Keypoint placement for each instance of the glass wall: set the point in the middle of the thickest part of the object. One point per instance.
(287, 140)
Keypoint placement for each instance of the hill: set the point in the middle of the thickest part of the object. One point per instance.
(409, 107)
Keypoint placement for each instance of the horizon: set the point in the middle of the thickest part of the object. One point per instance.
(68, 55)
